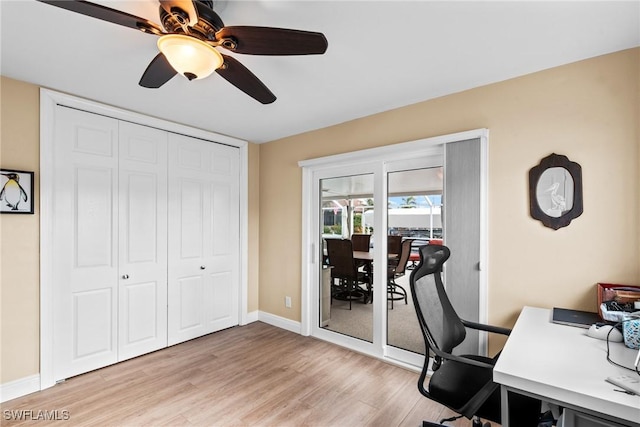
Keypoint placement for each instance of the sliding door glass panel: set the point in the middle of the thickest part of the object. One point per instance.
(347, 261)
(414, 208)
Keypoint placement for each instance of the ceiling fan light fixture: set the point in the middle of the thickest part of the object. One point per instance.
(190, 56)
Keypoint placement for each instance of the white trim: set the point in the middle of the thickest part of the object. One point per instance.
(252, 316)
(483, 297)
(58, 98)
(47, 126)
(20, 387)
(279, 322)
(244, 235)
(48, 101)
(392, 152)
(308, 250)
(407, 151)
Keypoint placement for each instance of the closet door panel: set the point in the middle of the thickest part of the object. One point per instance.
(142, 240)
(221, 299)
(222, 247)
(188, 232)
(223, 256)
(139, 317)
(203, 237)
(84, 231)
(189, 298)
(191, 219)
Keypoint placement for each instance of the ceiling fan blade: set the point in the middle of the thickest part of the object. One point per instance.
(240, 76)
(107, 14)
(185, 6)
(157, 73)
(272, 41)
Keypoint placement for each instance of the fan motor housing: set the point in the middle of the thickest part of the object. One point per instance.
(208, 21)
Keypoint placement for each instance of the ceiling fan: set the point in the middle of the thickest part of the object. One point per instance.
(190, 33)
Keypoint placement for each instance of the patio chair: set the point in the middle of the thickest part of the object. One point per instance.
(395, 270)
(345, 271)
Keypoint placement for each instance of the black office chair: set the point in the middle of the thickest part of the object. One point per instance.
(463, 383)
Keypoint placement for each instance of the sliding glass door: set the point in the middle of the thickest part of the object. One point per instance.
(371, 211)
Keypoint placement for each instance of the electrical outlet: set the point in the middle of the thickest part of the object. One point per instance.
(287, 302)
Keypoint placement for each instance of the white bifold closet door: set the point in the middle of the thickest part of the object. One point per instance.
(146, 240)
(203, 238)
(142, 242)
(110, 248)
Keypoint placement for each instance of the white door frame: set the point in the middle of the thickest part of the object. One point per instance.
(48, 101)
(406, 152)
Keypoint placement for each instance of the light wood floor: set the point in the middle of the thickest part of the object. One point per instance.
(255, 375)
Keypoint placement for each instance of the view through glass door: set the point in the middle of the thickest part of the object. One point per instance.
(414, 205)
(347, 230)
(346, 291)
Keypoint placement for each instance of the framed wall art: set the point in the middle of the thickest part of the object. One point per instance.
(16, 192)
(555, 191)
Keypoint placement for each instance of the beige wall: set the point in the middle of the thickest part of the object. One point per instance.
(588, 111)
(19, 256)
(20, 234)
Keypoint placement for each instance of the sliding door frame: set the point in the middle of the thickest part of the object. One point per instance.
(377, 159)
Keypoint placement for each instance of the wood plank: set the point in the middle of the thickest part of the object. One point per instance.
(256, 375)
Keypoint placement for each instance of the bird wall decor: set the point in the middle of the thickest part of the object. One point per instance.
(16, 195)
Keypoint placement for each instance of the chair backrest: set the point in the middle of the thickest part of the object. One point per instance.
(340, 255)
(441, 327)
(394, 244)
(405, 251)
(361, 242)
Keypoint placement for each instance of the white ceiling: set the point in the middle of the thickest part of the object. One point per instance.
(381, 55)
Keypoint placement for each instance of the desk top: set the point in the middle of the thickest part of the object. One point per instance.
(561, 363)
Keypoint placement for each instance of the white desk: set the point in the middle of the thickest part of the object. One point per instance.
(562, 365)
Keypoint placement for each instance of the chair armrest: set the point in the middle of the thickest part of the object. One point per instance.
(488, 328)
(449, 356)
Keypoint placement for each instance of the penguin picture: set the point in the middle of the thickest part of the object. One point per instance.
(16, 193)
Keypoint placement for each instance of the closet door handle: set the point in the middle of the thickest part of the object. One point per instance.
(125, 276)
(202, 267)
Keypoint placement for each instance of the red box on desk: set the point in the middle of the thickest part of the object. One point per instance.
(615, 292)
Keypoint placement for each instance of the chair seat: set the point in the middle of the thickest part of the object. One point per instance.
(445, 386)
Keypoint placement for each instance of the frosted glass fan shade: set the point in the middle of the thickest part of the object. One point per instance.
(189, 56)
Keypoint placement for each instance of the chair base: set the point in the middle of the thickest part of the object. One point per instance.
(396, 292)
(344, 293)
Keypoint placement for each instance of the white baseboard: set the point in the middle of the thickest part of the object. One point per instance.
(251, 317)
(280, 322)
(18, 388)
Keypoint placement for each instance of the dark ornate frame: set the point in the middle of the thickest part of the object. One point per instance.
(554, 161)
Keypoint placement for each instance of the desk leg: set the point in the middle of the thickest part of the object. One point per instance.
(504, 406)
